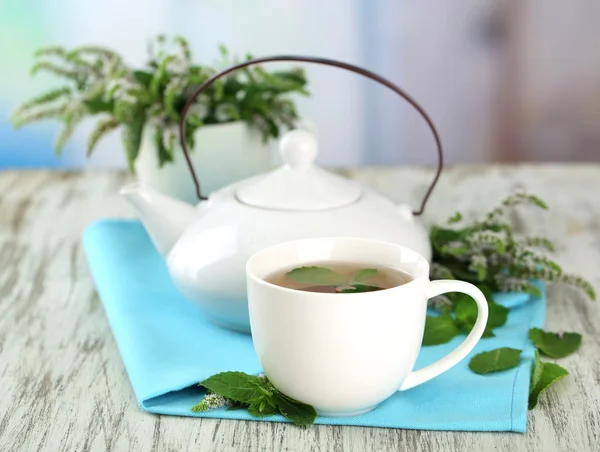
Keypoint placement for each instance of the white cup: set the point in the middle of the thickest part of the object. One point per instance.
(346, 353)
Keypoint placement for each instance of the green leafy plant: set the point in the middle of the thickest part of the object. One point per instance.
(238, 390)
(488, 254)
(97, 82)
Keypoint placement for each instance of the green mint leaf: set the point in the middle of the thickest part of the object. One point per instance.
(459, 270)
(144, 78)
(237, 386)
(495, 360)
(455, 218)
(553, 344)
(358, 288)
(297, 412)
(237, 406)
(536, 372)
(487, 292)
(262, 407)
(439, 330)
(488, 332)
(538, 201)
(319, 276)
(497, 315)
(549, 374)
(364, 275)
(465, 311)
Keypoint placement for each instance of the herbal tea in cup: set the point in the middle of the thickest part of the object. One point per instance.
(337, 323)
(339, 277)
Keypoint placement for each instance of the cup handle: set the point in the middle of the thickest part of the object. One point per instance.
(439, 287)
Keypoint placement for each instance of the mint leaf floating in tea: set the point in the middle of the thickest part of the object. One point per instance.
(495, 360)
(325, 280)
(357, 288)
(319, 276)
(364, 275)
(439, 330)
(549, 374)
(553, 344)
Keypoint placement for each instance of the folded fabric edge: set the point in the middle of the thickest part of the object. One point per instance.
(221, 413)
(146, 403)
(522, 378)
(88, 245)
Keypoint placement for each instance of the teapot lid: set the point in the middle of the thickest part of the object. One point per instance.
(299, 185)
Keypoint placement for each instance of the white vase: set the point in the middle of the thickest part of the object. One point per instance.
(222, 154)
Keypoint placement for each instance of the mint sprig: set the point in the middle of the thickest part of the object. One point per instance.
(254, 393)
(487, 253)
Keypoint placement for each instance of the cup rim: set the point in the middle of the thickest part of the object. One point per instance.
(410, 284)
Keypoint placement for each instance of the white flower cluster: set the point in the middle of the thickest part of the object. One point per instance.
(121, 89)
(510, 283)
(486, 241)
(438, 271)
(210, 401)
(440, 303)
(477, 261)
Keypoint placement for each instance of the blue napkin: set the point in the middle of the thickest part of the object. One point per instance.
(167, 347)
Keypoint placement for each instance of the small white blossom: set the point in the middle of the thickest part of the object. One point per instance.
(455, 244)
(440, 302)
(510, 284)
(438, 271)
(210, 401)
(477, 260)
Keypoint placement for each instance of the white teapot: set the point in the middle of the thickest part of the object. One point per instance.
(206, 246)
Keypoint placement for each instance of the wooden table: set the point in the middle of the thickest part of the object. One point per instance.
(63, 384)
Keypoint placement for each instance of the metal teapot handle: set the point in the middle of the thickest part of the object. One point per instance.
(325, 61)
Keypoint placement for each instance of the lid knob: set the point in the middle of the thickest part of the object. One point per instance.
(298, 185)
(298, 148)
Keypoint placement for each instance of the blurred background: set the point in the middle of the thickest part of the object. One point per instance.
(508, 81)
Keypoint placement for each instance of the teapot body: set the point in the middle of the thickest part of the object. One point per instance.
(299, 200)
(207, 264)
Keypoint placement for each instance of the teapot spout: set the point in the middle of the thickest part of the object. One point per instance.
(164, 218)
